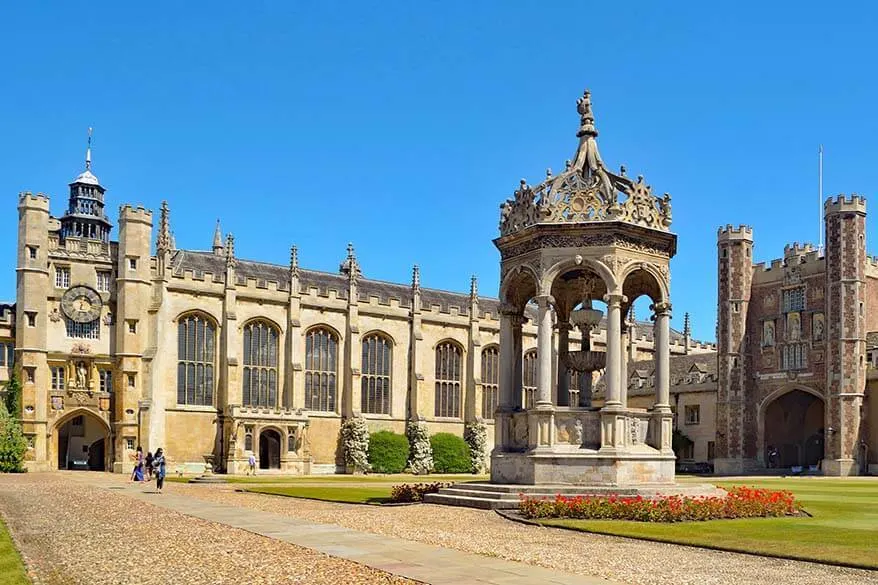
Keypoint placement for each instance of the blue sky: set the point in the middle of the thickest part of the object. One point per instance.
(402, 126)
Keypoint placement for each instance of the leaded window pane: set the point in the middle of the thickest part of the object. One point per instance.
(448, 377)
(321, 347)
(196, 339)
(529, 378)
(375, 368)
(490, 380)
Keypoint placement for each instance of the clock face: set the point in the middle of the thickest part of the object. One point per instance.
(81, 304)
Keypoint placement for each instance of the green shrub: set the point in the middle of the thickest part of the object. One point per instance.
(388, 452)
(450, 454)
(12, 443)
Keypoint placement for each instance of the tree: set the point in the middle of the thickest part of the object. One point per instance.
(12, 397)
(13, 445)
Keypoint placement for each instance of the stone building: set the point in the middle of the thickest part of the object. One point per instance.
(793, 377)
(131, 341)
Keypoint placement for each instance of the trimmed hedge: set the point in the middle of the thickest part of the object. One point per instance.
(388, 452)
(451, 454)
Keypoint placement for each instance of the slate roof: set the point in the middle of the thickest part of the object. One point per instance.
(200, 262)
(686, 370)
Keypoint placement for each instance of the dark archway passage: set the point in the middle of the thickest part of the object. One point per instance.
(794, 427)
(82, 443)
(269, 449)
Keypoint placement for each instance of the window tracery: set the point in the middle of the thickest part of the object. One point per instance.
(260, 364)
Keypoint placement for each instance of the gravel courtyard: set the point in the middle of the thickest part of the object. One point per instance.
(73, 533)
(482, 532)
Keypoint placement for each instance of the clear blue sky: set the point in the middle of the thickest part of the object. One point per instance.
(402, 126)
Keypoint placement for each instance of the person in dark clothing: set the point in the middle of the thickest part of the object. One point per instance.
(148, 470)
(159, 465)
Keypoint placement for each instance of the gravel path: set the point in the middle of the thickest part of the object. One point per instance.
(477, 531)
(72, 533)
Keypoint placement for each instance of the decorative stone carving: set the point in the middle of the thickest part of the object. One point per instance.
(585, 192)
(794, 327)
(634, 429)
(55, 315)
(80, 349)
(818, 327)
(768, 334)
(576, 435)
(57, 403)
(108, 319)
(580, 241)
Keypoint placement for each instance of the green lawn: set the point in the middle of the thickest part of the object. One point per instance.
(11, 567)
(342, 479)
(341, 493)
(843, 529)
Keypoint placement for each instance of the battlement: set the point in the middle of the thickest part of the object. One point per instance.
(27, 200)
(729, 233)
(843, 204)
(140, 214)
(796, 249)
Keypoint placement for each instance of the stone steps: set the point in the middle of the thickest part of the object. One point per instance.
(489, 496)
(208, 479)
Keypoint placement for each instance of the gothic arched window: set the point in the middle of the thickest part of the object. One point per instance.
(196, 360)
(321, 369)
(490, 380)
(375, 378)
(448, 375)
(260, 364)
(529, 378)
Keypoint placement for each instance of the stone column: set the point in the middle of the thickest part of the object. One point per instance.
(662, 355)
(517, 361)
(544, 351)
(614, 349)
(563, 374)
(507, 359)
(623, 369)
(662, 417)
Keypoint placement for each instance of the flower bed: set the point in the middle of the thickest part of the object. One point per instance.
(414, 492)
(741, 502)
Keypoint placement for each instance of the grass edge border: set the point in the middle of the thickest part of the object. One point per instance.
(720, 548)
(30, 573)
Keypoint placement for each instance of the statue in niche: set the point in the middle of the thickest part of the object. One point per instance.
(81, 376)
(768, 334)
(818, 327)
(794, 327)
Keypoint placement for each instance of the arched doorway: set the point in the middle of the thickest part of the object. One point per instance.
(82, 440)
(269, 449)
(794, 428)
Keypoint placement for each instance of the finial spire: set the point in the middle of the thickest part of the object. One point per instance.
(687, 329)
(416, 278)
(230, 251)
(163, 240)
(586, 116)
(350, 266)
(294, 260)
(218, 239)
(474, 288)
(88, 151)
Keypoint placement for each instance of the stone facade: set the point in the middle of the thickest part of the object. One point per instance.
(140, 343)
(791, 339)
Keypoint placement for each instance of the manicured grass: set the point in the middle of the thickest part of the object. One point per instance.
(347, 494)
(342, 479)
(843, 527)
(11, 567)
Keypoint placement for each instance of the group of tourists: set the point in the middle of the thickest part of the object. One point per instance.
(149, 467)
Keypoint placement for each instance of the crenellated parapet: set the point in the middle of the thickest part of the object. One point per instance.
(38, 201)
(843, 204)
(139, 214)
(729, 233)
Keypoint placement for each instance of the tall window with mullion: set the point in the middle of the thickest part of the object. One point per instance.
(321, 369)
(490, 380)
(448, 375)
(260, 364)
(375, 378)
(196, 359)
(529, 378)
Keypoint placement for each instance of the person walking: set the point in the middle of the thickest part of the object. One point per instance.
(251, 463)
(159, 466)
(148, 468)
(137, 473)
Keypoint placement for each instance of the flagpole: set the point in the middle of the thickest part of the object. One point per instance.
(820, 195)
